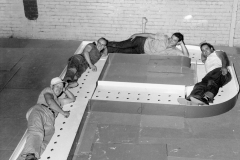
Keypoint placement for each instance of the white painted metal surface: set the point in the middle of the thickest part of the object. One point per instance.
(138, 92)
(66, 128)
(194, 53)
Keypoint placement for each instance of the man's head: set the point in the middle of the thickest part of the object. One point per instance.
(179, 36)
(57, 85)
(207, 49)
(175, 38)
(101, 44)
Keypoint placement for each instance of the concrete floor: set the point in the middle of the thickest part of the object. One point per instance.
(27, 66)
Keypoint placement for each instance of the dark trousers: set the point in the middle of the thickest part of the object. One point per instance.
(135, 46)
(77, 65)
(210, 83)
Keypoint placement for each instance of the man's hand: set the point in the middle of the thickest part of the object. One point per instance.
(66, 114)
(184, 48)
(65, 86)
(180, 43)
(105, 52)
(224, 71)
(94, 68)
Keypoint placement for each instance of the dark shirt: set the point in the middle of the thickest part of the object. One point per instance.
(94, 54)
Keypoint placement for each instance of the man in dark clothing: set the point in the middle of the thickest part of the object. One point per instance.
(79, 63)
(216, 63)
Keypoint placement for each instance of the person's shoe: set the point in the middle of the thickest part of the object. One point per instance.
(72, 84)
(67, 79)
(200, 101)
(187, 102)
(209, 96)
(30, 156)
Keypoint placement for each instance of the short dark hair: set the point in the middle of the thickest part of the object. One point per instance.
(102, 38)
(179, 36)
(208, 44)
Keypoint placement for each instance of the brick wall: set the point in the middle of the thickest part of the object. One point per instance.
(237, 29)
(118, 19)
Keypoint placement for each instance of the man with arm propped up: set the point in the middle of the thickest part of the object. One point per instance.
(79, 63)
(216, 63)
(151, 44)
(41, 118)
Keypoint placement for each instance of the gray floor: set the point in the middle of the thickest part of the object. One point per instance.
(27, 66)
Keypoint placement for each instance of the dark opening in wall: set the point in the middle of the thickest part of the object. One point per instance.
(30, 9)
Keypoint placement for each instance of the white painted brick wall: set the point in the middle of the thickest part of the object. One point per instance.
(237, 29)
(119, 19)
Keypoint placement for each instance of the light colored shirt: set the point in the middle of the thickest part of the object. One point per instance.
(212, 62)
(41, 98)
(158, 46)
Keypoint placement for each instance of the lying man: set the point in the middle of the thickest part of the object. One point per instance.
(41, 118)
(152, 44)
(216, 63)
(79, 63)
